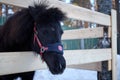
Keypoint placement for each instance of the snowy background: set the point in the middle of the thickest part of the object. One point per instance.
(71, 74)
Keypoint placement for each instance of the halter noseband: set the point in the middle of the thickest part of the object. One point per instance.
(56, 47)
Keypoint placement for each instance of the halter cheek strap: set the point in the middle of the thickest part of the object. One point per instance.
(56, 47)
(42, 48)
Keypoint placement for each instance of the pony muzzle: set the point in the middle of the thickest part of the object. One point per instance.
(56, 47)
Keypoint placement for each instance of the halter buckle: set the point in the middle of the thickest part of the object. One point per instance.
(42, 49)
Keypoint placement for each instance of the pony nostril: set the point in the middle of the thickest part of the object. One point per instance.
(60, 66)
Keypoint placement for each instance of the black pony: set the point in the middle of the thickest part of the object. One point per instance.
(37, 29)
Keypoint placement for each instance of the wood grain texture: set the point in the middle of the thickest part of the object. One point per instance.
(14, 62)
(114, 44)
(83, 33)
(86, 56)
(71, 11)
(96, 66)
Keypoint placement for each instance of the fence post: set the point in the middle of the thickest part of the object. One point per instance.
(114, 44)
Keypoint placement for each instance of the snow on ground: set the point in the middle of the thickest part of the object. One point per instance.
(71, 74)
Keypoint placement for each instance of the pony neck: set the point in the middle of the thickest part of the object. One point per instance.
(17, 32)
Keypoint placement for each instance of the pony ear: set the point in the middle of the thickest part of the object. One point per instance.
(43, 14)
(51, 15)
(55, 14)
(32, 11)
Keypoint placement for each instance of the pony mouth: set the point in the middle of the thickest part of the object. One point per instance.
(55, 62)
(57, 69)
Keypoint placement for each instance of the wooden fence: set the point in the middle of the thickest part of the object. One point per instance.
(85, 59)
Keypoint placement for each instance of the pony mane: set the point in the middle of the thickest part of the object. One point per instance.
(42, 13)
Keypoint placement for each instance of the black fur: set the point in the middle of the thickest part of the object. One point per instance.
(17, 35)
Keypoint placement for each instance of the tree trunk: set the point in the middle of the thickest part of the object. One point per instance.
(104, 6)
(118, 24)
(118, 15)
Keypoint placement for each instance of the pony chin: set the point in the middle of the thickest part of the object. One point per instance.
(55, 62)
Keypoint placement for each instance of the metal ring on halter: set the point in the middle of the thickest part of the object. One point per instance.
(42, 49)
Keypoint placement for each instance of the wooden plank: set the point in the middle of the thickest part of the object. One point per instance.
(19, 3)
(114, 44)
(71, 11)
(14, 62)
(84, 14)
(74, 57)
(83, 33)
(90, 66)
(109, 65)
(109, 32)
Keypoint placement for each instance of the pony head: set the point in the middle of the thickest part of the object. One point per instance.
(47, 36)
